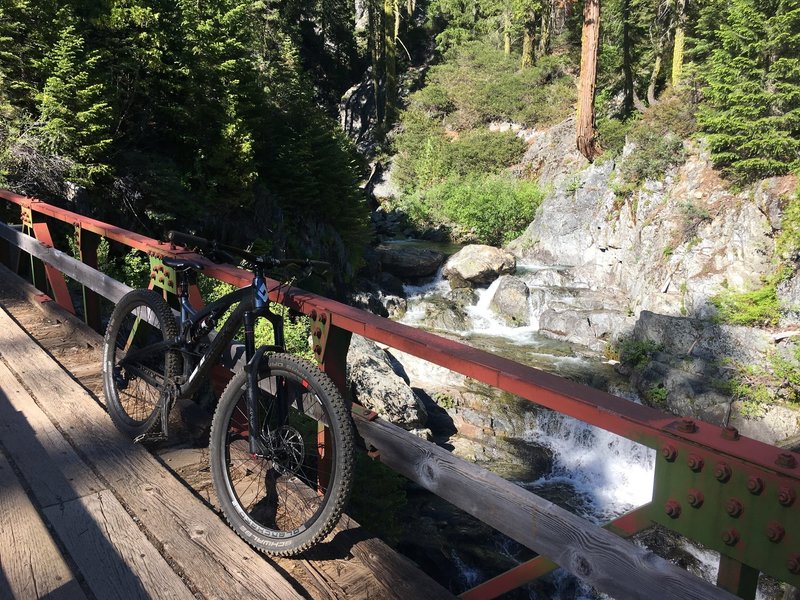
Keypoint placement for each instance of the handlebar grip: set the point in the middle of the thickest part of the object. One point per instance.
(185, 239)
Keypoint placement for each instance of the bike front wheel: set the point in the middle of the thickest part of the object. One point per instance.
(289, 494)
(137, 365)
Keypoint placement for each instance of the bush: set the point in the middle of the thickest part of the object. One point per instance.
(496, 208)
(759, 307)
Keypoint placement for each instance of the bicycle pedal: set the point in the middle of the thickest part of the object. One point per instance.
(149, 437)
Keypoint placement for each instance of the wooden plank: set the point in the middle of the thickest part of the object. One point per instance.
(50, 465)
(605, 561)
(73, 268)
(31, 565)
(111, 552)
(208, 552)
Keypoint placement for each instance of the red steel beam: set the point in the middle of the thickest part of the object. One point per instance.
(639, 423)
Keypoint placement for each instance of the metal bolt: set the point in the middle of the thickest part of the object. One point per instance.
(152, 274)
(730, 433)
(687, 425)
(775, 532)
(317, 332)
(786, 459)
(734, 508)
(317, 349)
(696, 498)
(695, 462)
(730, 537)
(313, 315)
(793, 564)
(669, 453)
(755, 485)
(722, 472)
(673, 509)
(161, 279)
(323, 318)
(786, 496)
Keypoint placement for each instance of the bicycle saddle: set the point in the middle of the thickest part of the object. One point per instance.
(182, 264)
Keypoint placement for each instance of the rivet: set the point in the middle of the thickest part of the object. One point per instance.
(323, 318)
(730, 433)
(755, 485)
(317, 332)
(730, 537)
(687, 425)
(695, 462)
(313, 315)
(793, 563)
(672, 508)
(669, 453)
(696, 498)
(775, 532)
(317, 349)
(152, 274)
(161, 279)
(734, 508)
(786, 459)
(722, 472)
(786, 496)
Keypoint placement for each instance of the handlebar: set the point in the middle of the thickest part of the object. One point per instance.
(204, 245)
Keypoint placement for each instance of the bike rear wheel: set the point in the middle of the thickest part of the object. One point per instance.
(136, 388)
(289, 496)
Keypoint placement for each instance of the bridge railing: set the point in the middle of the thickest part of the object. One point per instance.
(730, 493)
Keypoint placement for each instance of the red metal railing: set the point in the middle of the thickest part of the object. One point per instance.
(731, 493)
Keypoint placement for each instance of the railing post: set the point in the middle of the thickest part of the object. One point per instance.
(87, 243)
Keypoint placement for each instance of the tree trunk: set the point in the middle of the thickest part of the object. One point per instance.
(680, 35)
(651, 89)
(507, 32)
(390, 20)
(528, 32)
(545, 27)
(375, 39)
(627, 62)
(586, 136)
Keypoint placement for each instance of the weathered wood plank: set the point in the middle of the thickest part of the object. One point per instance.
(218, 563)
(31, 565)
(75, 269)
(605, 561)
(50, 465)
(111, 552)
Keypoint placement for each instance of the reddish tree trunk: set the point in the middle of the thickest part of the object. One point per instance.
(586, 136)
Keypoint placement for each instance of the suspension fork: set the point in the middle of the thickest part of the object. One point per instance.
(254, 359)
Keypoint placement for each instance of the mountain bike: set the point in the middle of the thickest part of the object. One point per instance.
(281, 447)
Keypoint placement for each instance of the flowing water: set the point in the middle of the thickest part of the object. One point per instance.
(595, 474)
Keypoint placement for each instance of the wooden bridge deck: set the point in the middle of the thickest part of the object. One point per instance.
(85, 513)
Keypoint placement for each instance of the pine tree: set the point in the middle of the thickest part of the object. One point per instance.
(752, 112)
(73, 110)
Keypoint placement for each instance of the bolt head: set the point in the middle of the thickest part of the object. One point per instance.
(687, 425)
(722, 472)
(786, 459)
(669, 453)
(695, 462)
(786, 496)
(775, 532)
(313, 315)
(695, 498)
(730, 433)
(672, 508)
(793, 563)
(755, 485)
(730, 537)
(734, 508)
(317, 349)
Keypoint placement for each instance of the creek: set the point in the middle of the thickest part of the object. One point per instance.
(591, 472)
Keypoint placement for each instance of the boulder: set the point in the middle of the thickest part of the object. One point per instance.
(376, 386)
(407, 262)
(478, 265)
(510, 301)
(591, 328)
(445, 315)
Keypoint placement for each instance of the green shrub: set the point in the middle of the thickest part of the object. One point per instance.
(635, 352)
(495, 207)
(758, 307)
(655, 153)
